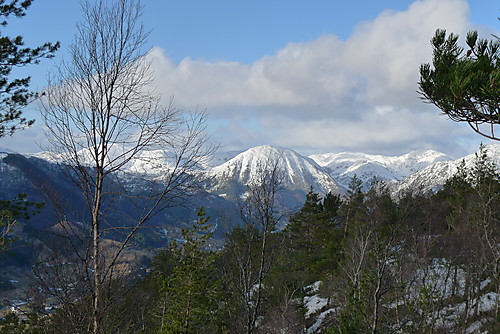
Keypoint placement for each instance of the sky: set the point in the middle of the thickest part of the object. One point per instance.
(314, 76)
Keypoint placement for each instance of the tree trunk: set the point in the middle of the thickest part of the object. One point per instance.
(96, 316)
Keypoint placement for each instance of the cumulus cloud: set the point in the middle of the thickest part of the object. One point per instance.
(384, 130)
(327, 94)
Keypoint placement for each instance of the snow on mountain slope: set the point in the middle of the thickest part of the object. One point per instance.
(434, 176)
(343, 166)
(229, 172)
(300, 173)
(153, 164)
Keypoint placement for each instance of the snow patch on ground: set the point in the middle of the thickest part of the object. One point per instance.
(314, 304)
(451, 313)
(313, 288)
(319, 321)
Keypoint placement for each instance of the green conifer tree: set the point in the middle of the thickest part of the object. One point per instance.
(14, 93)
(314, 236)
(191, 290)
(464, 85)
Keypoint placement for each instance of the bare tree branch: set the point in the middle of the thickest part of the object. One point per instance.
(103, 114)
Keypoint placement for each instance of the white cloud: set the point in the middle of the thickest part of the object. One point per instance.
(388, 51)
(378, 131)
(30, 140)
(354, 94)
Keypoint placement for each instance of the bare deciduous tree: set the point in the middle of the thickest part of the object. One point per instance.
(250, 252)
(102, 112)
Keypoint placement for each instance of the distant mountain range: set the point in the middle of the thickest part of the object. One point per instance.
(228, 174)
(426, 169)
(432, 177)
(343, 166)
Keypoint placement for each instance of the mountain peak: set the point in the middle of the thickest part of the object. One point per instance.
(298, 173)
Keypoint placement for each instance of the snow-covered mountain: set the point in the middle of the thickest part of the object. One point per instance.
(343, 166)
(434, 176)
(299, 173)
(152, 163)
(229, 173)
(46, 181)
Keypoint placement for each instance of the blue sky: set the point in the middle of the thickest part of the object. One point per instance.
(315, 76)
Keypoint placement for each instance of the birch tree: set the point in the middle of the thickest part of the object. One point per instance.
(102, 112)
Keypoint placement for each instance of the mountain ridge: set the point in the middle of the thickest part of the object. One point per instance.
(433, 177)
(328, 172)
(343, 166)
